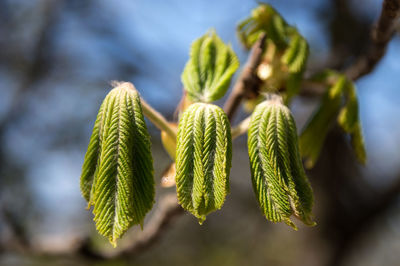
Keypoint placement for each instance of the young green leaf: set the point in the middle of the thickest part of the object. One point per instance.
(286, 50)
(313, 136)
(117, 174)
(357, 142)
(349, 120)
(331, 110)
(278, 177)
(203, 159)
(263, 19)
(348, 117)
(295, 56)
(208, 72)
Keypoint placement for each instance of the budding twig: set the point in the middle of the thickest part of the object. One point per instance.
(157, 119)
(241, 129)
(248, 82)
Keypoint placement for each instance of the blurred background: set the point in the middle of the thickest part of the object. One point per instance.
(57, 61)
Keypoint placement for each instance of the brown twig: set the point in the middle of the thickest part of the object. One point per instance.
(248, 83)
(380, 36)
(166, 212)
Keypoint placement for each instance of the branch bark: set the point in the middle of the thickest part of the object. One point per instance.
(248, 83)
(164, 215)
(381, 34)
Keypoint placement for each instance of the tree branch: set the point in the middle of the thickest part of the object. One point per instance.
(166, 212)
(381, 34)
(248, 82)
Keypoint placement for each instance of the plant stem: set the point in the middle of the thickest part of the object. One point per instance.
(157, 119)
(241, 128)
(248, 82)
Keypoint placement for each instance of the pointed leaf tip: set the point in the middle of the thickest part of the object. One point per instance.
(203, 159)
(279, 181)
(117, 174)
(208, 72)
(339, 103)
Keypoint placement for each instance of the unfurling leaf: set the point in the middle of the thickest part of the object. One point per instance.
(339, 103)
(279, 181)
(357, 142)
(314, 134)
(263, 19)
(208, 72)
(117, 174)
(203, 159)
(295, 56)
(168, 142)
(286, 52)
(349, 120)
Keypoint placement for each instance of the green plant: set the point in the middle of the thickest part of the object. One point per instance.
(117, 175)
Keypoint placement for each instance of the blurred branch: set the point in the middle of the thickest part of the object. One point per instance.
(18, 239)
(34, 70)
(374, 208)
(166, 212)
(381, 34)
(346, 228)
(248, 82)
(241, 128)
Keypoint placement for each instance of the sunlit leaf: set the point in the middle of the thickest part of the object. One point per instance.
(313, 136)
(340, 103)
(286, 53)
(357, 142)
(117, 175)
(208, 72)
(278, 177)
(168, 142)
(296, 54)
(348, 117)
(203, 159)
(263, 19)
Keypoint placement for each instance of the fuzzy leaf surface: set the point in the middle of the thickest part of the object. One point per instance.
(313, 136)
(279, 181)
(203, 159)
(339, 104)
(117, 174)
(296, 54)
(208, 72)
(263, 19)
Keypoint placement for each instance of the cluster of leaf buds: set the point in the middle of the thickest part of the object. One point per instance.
(286, 52)
(339, 103)
(117, 174)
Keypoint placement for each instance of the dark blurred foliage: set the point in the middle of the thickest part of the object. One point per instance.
(57, 59)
